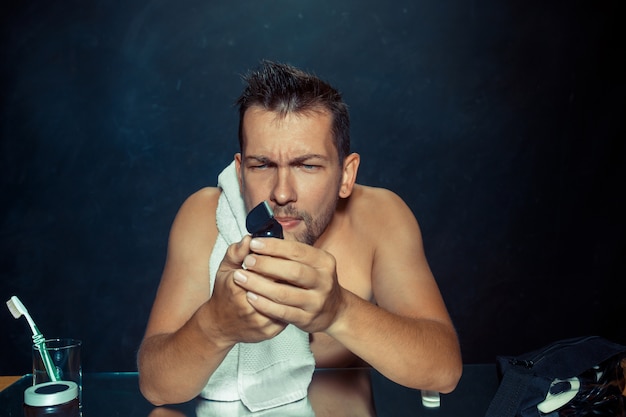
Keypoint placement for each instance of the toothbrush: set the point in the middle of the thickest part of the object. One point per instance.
(18, 310)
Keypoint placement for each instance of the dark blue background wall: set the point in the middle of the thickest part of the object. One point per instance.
(501, 123)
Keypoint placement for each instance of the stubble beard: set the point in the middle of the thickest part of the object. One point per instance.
(314, 227)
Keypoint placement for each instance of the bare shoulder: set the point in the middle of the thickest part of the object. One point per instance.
(200, 206)
(369, 193)
(195, 222)
(201, 199)
(384, 219)
(377, 217)
(379, 205)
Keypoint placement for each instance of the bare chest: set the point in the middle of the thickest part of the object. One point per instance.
(354, 266)
(354, 272)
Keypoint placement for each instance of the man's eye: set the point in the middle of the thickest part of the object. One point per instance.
(309, 167)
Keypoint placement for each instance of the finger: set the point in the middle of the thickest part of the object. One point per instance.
(249, 281)
(278, 269)
(279, 248)
(278, 311)
(238, 319)
(294, 251)
(293, 272)
(277, 292)
(237, 252)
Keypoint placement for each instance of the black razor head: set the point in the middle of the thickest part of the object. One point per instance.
(261, 222)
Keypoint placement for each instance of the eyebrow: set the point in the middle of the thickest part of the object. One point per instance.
(299, 159)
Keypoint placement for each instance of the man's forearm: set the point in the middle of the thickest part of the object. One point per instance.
(417, 353)
(175, 367)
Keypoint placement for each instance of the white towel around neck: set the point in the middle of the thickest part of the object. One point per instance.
(262, 375)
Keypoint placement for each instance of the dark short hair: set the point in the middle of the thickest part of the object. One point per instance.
(284, 89)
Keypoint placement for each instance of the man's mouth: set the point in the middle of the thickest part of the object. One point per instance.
(288, 222)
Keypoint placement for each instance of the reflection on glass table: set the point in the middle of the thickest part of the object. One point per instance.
(337, 392)
(331, 393)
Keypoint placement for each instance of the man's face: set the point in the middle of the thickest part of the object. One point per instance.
(291, 162)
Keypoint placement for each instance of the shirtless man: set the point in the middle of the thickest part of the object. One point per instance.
(351, 270)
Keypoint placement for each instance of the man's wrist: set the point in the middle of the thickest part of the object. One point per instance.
(209, 332)
(340, 322)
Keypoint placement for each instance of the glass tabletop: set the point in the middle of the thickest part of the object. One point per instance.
(333, 392)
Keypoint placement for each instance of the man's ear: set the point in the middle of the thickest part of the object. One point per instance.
(238, 168)
(348, 176)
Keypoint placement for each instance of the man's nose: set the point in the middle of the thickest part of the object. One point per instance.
(283, 191)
